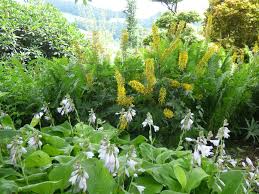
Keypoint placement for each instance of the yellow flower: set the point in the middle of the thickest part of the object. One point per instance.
(168, 113)
(155, 38)
(234, 57)
(256, 48)
(123, 122)
(136, 85)
(162, 95)
(180, 27)
(208, 27)
(206, 57)
(124, 40)
(122, 99)
(89, 79)
(150, 75)
(175, 83)
(183, 59)
(173, 45)
(187, 87)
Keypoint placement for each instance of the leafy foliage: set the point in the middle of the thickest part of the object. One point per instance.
(234, 22)
(30, 31)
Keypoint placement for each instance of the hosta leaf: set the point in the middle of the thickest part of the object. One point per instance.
(35, 121)
(233, 182)
(6, 172)
(8, 186)
(171, 192)
(48, 187)
(37, 159)
(100, 180)
(194, 178)
(6, 121)
(151, 186)
(180, 175)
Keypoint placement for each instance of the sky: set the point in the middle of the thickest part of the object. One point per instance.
(146, 8)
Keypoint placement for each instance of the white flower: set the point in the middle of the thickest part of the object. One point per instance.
(16, 150)
(223, 131)
(215, 142)
(187, 121)
(109, 154)
(34, 141)
(149, 122)
(189, 139)
(197, 156)
(89, 154)
(249, 162)
(232, 162)
(130, 114)
(67, 106)
(38, 115)
(79, 178)
(92, 117)
(140, 188)
(205, 150)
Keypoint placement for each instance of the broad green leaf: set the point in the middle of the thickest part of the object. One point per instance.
(194, 178)
(37, 159)
(48, 187)
(52, 151)
(180, 175)
(8, 186)
(233, 182)
(61, 173)
(171, 192)
(151, 185)
(6, 172)
(100, 180)
(6, 135)
(63, 159)
(55, 141)
(35, 121)
(6, 121)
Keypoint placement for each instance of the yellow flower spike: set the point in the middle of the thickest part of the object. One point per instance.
(123, 122)
(242, 56)
(208, 28)
(173, 45)
(204, 60)
(175, 83)
(89, 79)
(180, 27)
(162, 96)
(168, 113)
(122, 99)
(234, 57)
(155, 38)
(150, 75)
(136, 85)
(187, 87)
(124, 39)
(172, 29)
(183, 59)
(256, 48)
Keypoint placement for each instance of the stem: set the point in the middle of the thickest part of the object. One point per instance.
(24, 175)
(72, 130)
(130, 183)
(150, 135)
(181, 140)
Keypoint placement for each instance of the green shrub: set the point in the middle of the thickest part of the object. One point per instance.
(32, 30)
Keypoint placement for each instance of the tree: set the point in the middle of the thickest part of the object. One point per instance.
(233, 22)
(172, 5)
(167, 18)
(131, 23)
